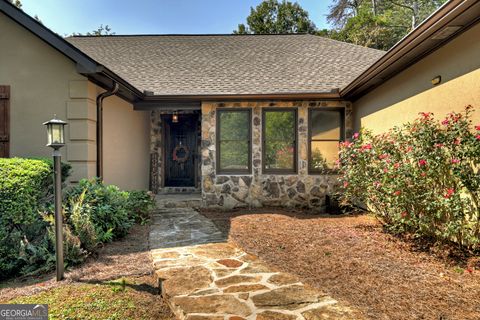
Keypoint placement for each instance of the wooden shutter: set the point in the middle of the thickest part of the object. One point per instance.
(4, 121)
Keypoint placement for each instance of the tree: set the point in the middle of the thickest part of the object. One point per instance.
(100, 31)
(274, 17)
(377, 23)
(16, 3)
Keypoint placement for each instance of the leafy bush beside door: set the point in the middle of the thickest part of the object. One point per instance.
(94, 213)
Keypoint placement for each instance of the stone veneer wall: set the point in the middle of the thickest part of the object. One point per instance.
(257, 189)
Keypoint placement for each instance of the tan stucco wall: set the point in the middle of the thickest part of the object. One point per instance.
(126, 149)
(44, 82)
(401, 98)
(39, 77)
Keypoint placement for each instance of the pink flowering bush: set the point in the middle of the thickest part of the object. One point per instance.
(422, 177)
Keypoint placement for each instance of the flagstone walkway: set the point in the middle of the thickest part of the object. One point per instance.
(203, 277)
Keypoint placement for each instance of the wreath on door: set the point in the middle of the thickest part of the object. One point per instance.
(179, 150)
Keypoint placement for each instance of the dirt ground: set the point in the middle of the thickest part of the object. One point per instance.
(353, 260)
(128, 259)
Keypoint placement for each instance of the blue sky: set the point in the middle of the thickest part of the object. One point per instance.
(153, 16)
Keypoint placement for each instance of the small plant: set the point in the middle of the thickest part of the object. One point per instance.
(422, 177)
(139, 205)
(104, 206)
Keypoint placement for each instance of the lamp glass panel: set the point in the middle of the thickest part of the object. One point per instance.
(49, 134)
(57, 134)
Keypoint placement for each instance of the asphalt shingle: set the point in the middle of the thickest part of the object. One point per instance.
(229, 64)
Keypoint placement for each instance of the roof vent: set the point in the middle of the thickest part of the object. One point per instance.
(446, 32)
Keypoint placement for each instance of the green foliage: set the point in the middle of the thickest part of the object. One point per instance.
(421, 177)
(94, 213)
(279, 139)
(139, 205)
(234, 137)
(102, 30)
(377, 23)
(104, 206)
(273, 17)
(23, 185)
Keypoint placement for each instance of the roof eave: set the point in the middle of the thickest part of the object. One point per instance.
(334, 95)
(85, 65)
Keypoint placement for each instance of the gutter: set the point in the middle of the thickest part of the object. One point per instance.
(333, 94)
(100, 99)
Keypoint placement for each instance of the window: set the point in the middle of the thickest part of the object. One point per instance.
(324, 135)
(234, 141)
(279, 140)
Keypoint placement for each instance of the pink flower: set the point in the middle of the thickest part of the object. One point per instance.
(345, 184)
(396, 165)
(438, 145)
(455, 160)
(409, 149)
(366, 147)
(449, 193)
(477, 137)
(426, 115)
(356, 135)
(456, 141)
(404, 214)
(385, 170)
(423, 174)
(383, 156)
(422, 162)
(445, 122)
(397, 193)
(477, 127)
(377, 184)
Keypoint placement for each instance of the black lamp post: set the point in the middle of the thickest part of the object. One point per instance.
(56, 140)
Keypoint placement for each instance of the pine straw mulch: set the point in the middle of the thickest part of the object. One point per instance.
(127, 259)
(354, 260)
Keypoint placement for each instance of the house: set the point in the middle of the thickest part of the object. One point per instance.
(247, 120)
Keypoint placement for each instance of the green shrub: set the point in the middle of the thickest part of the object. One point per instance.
(105, 206)
(422, 177)
(23, 186)
(139, 205)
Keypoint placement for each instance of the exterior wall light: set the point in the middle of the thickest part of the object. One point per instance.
(437, 80)
(56, 140)
(175, 118)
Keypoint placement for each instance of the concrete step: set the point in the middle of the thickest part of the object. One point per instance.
(179, 200)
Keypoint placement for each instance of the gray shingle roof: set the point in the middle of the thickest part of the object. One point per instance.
(229, 64)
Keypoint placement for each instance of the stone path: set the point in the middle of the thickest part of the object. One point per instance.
(203, 277)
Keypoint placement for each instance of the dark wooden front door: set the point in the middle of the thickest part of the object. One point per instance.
(181, 150)
(4, 121)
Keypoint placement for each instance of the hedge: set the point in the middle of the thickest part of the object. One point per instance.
(23, 186)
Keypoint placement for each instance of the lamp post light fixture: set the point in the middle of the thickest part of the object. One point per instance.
(56, 140)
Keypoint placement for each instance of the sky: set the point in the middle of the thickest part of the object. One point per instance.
(154, 16)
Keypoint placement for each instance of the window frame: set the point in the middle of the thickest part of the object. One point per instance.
(293, 170)
(339, 110)
(219, 169)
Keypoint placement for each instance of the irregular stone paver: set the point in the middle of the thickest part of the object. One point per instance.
(230, 263)
(280, 279)
(205, 278)
(271, 315)
(216, 304)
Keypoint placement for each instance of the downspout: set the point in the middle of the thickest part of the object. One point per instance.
(100, 98)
